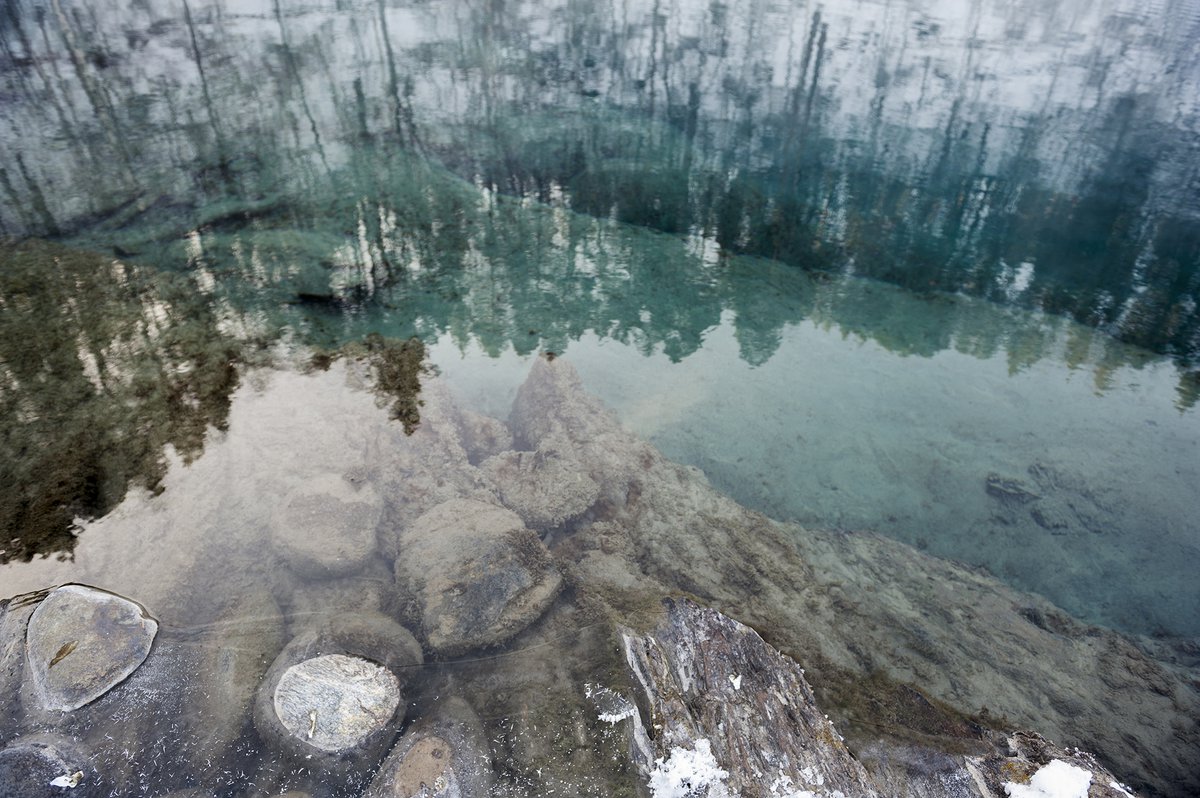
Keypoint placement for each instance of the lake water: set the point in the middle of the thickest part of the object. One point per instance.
(925, 269)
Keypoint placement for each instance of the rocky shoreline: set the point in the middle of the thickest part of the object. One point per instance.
(491, 621)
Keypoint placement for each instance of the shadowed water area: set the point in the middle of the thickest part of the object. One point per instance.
(918, 282)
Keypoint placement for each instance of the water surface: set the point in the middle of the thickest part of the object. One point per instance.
(928, 269)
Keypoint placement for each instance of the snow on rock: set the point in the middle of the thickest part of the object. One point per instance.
(689, 774)
(732, 716)
(1055, 780)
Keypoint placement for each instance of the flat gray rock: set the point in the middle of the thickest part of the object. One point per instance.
(327, 526)
(476, 573)
(334, 702)
(82, 642)
(305, 691)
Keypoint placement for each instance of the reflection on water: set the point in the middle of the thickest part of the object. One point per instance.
(1041, 155)
(102, 364)
(930, 269)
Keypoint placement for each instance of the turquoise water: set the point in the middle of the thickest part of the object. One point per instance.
(924, 269)
(850, 264)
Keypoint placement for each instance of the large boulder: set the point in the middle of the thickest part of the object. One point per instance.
(733, 716)
(333, 701)
(476, 574)
(81, 642)
(879, 623)
(417, 471)
(552, 412)
(732, 712)
(547, 487)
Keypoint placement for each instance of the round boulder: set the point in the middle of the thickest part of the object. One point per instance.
(546, 488)
(334, 701)
(326, 527)
(334, 697)
(82, 642)
(477, 575)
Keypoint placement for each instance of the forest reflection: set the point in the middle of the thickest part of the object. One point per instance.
(1008, 152)
(519, 173)
(102, 364)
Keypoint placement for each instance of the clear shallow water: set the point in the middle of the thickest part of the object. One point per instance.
(884, 266)
(836, 430)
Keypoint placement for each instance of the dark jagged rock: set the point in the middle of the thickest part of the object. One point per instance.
(733, 716)
(81, 642)
(725, 705)
(476, 574)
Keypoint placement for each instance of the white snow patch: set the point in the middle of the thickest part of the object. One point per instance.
(1056, 780)
(736, 681)
(812, 775)
(689, 774)
(613, 717)
(782, 787)
(1121, 788)
(613, 706)
(69, 780)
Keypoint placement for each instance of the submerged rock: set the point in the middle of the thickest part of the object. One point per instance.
(81, 642)
(476, 574)
(884, 627)
(551, 410)
(482, 436)
(334, 697)
(14, 620)
(444, 755)
(334, 702)
(418, 471)
(43, 765)
(230, 663)
(327, 527)
(546, 487)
